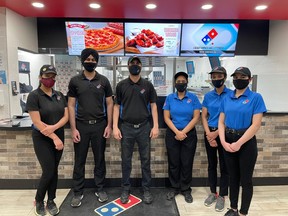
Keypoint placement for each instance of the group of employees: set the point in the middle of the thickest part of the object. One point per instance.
(230, 120)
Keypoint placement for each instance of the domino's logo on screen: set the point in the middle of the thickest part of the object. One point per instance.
(209, 36)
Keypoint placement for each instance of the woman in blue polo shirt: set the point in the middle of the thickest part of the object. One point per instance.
(240, 118)
(181, 113)
(49, 113)
(210, 117)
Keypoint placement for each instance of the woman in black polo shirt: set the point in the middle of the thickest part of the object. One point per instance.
(48, 111)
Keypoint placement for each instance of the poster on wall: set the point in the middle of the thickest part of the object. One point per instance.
(105, 37)
(3, 77)
(152, 39)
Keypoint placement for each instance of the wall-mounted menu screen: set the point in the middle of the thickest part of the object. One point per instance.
(152, 39)
(105, 37)
(209, 39)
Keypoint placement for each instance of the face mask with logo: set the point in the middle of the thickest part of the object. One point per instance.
(134, 69)
(48, 82)
(218, 83)
(240, 84)
(181, 87)
(89, 66)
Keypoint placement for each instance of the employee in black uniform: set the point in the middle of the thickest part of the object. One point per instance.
(48, 111)
(181, 114)
(240, 118)
(134, 104)
(210, 117)
(90, 107)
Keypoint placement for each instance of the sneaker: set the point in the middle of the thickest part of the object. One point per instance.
(40, 208)
(124, 198)
(220, 203)
(188, 197)
(210, 199)
(52, 207)
(76, 201)
(171, 195)
(231, 212)
(102, 196)
(147, 197)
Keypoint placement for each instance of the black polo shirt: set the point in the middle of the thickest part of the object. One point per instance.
(51, 109)
(134, 100)
(90, 96)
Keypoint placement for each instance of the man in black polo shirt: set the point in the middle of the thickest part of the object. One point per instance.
(90, 108)
(134, 104)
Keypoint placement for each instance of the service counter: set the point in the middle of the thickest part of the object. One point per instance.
(20, 168)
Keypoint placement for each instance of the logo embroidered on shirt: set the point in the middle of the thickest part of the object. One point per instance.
(245, 101)
(99, 86)
(142, 91)
(189, 101)
(58, 98)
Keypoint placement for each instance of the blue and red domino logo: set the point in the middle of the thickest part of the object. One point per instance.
(115, 207)
(210, 36)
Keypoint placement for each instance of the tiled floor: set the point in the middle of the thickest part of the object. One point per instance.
(267, 200)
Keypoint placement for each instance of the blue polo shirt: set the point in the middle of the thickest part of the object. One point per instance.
(182, 110)
(212, 101)
(239, 111)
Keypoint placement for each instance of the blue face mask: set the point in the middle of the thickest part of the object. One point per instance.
(134, 69)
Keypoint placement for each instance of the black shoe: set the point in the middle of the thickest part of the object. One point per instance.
(40, 208)
(102, 196)
(52, 207)
(188, 197)
(124, 198)
(171, 195)
(76, 200)
(147, 197)
(231, 212)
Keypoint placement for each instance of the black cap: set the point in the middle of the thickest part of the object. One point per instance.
(218, 69)
(242, 70)
(87, 52)
(47, 69)
(181, 73)
(133, 58)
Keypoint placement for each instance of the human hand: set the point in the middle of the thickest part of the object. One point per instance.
(58, 144)
(154, 133)
(235, 146)
(117, 133)
(107, 132)
(213, 143)
(180, 136)
(76, 136)
(49, 129)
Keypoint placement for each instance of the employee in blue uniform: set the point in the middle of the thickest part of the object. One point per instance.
(181, 114)
(48, 111)
(135, 105)
(210, 117)
(90, 107)
(240, 118)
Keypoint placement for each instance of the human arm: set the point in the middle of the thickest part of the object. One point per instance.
(221, 131)
(116, 131)
(109, 103)
(179, 135)
(249, 133)
(155, 130)
(72, 120)
(211, 136)
(193, 122)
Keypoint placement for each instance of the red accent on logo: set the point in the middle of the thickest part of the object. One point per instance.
(213, 33)
(132, 201)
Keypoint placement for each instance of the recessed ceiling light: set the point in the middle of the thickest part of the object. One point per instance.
(151, 6)
(37, 4)
(94, 5)
(261, 7)
(207, 6)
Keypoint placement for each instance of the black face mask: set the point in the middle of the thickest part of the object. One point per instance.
(181, 87)
(240, 84)
(134, 69)
(89, 66)
(218, 83)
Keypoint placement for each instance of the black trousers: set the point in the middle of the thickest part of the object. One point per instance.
(180, 159)
(89, 133)
(240, 168)
(212, 167)
(49, 159)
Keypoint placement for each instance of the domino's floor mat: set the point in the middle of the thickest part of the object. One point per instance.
(159, 207)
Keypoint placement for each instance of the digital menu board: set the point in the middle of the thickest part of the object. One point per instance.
(152, 39)
(209, 39)
(105, 37)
